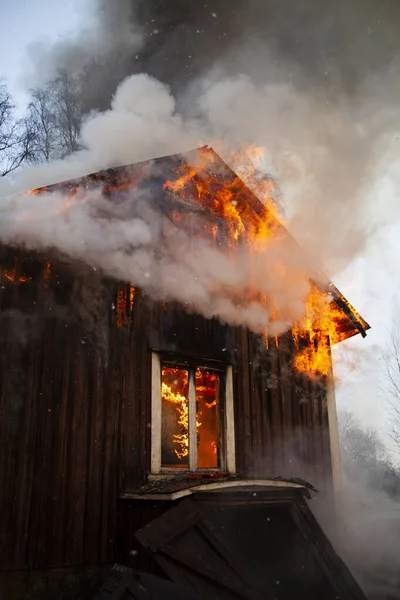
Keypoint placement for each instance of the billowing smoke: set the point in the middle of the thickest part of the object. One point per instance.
(315, 88)
(178, 41)
(130, 240)
(327, 157)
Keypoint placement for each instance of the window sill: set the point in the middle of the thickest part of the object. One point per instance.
(157, 490)
(185, 473)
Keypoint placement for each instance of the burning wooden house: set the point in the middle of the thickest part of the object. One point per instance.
(117, 405)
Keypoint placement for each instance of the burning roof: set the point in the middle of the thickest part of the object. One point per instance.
(200, 184)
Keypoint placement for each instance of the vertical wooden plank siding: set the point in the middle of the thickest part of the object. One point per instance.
(75, 407)
(60, 397)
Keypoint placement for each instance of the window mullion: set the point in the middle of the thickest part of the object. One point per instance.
(192, 422)
(156, 415)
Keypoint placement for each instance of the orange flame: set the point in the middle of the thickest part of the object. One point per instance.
(199, 185)
(181, 403)
(13, 277)
(132, 292)
(318, 328)
(315, 332)
(182, 406)
(180, 400)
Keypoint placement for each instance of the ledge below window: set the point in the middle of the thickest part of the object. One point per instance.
(179, 487)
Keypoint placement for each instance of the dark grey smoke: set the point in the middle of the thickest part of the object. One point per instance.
(337, 46)
(347, 39)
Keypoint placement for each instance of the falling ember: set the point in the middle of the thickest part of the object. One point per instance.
(314, 334)
(9, 275)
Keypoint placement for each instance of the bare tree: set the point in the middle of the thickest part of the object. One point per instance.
(360, 446)
(391, 386)
(66, 110)
(42, 121)
(16, 135)
(54, 114)
(365, 458)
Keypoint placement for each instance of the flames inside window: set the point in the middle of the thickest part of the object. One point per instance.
(175, 418)
(190, 418)
(207, 393)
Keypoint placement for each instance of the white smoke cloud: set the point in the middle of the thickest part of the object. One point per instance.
(322, 155)
(327, 156)
(141, 124)
(213, 281)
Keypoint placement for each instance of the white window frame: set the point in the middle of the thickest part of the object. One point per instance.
(228, 437)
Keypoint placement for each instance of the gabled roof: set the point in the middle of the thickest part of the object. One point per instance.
(205, 165)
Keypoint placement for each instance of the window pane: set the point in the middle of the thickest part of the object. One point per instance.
(207, 402)
(175, 413)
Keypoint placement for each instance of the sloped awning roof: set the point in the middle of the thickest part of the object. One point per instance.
(204, 164)
(248, 544)
(180, 486)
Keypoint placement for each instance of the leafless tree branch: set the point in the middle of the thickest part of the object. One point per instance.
(391, 386)
(16, 135)
(50, 129)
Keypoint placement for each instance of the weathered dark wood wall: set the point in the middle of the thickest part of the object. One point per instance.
(75, 385)
(62, 385)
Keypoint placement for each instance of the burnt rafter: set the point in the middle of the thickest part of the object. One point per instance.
(358, 322)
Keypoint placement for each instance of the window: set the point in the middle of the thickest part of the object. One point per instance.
(192, 417)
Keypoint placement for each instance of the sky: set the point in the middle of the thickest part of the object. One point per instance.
(370, 283)
(25, 23)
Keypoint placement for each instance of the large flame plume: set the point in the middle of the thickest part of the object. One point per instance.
(316, 330)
